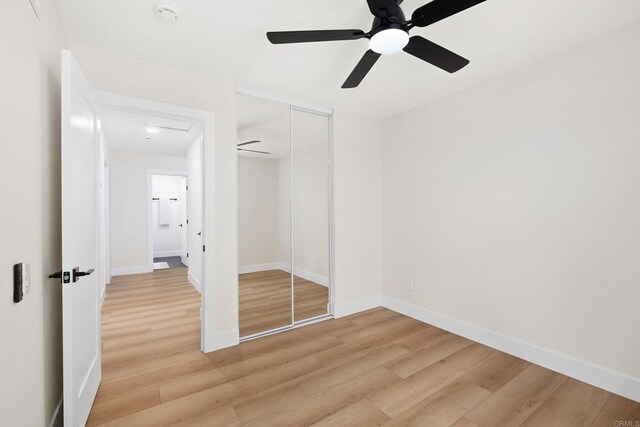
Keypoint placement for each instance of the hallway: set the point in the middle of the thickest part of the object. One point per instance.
(150, 335)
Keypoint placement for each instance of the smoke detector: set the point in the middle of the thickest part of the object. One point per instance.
(167, 11)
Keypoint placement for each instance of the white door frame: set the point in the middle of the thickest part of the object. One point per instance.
(150, 174)
(206, 120)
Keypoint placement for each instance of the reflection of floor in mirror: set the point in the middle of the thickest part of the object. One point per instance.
(265, 300)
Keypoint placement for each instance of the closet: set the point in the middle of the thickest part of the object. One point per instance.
(284, 220)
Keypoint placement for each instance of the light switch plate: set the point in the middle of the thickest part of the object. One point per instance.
(26, 278)
(36, 7)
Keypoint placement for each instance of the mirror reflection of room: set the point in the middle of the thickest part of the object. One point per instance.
(283, 204)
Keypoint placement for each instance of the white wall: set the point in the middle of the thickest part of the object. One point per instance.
(514, 205)
(356, 172)
(129, 203)
(131, 77)
(258, 211)
(167, 238)
(194, 212)
(357, 219)
(30, 332)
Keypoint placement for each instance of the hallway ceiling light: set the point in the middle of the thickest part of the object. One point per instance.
(152, 129)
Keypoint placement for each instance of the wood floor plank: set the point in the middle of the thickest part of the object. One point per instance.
(573, 404)
(517, 400)
(422, 384)
(616, 409)
(497, 371)
(361, 413)
(326, 402)
(271, 399)
(444, 407)
(373, 368)
(419, 360)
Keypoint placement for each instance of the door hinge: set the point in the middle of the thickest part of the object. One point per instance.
(187, 221)
(187, 254)
(187, 187)
(203, 248)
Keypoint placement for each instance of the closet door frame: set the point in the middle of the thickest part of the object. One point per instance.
(328, 113)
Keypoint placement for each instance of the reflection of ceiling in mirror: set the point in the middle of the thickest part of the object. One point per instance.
(268, 122)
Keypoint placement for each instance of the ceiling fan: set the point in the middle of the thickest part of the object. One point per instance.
(390, 34)
(251, 151)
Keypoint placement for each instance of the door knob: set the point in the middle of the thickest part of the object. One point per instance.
(77, 273)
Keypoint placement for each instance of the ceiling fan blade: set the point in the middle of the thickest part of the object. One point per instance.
(439, 9)
(249, 142)
(358, 74)
(280, 37)
(383, 8)
(253, 151)
(435, 54)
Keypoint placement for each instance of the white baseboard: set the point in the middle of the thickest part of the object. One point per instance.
(353, 307)
(259, 267)
(56, 419)
(164, 254)
(598, 376)
(222, 340)
(195, 282)
(135, 269)
(307, 275)
(312, 277)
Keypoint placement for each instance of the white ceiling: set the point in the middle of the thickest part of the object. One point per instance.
(271, 124)
(226, 40)
(128, 131)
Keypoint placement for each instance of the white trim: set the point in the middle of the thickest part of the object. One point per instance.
(295, 325)
(56, 418)
(224, 339)
(134, 269)
(194, 282)
(307, 275)
(598, 376)
(353, 307)
(207, 118)
(165, 254)
(259, 267)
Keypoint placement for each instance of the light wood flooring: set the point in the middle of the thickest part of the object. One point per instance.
(374, 368)
(265, 300)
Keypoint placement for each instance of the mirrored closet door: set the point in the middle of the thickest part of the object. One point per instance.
(283, 215)
(310, 213)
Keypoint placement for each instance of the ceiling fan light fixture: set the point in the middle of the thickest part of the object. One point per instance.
(389, 41)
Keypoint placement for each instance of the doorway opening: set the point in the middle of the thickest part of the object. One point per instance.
(168, 222)
(153, 215)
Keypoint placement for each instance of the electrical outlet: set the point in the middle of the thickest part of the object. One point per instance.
(411, 286)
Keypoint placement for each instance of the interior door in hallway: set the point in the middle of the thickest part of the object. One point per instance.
(80, 287)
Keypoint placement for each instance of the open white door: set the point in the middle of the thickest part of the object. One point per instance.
(80, 290)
